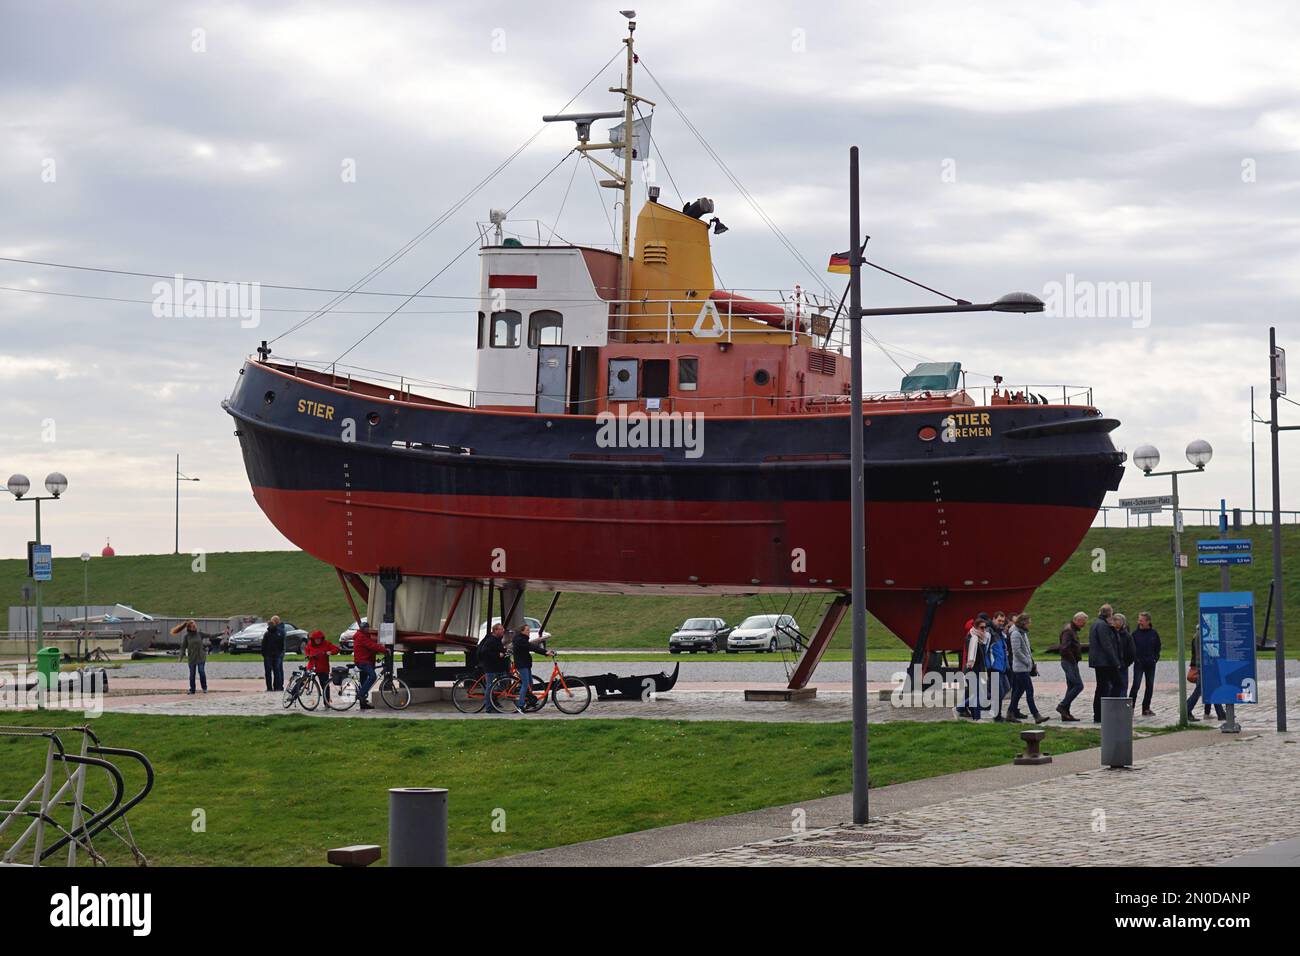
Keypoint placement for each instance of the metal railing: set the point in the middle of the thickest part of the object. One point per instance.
(1113, 516)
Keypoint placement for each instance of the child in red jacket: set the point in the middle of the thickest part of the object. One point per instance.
(318, 651)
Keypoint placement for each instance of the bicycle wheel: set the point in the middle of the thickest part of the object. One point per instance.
(505, 694)
(309, 694)
(395, 693)
(343, 695)
(468, 694)
(571, 697)
(291, 690)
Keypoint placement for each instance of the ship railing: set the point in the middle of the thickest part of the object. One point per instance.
(403, 388)
(1112, 516)
(807, 318)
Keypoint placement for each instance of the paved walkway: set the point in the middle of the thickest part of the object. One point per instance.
(1174, 809)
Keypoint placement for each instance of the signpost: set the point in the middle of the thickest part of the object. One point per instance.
(1227, 651)
(1223, 552)
(42, 563)
(1152, 500)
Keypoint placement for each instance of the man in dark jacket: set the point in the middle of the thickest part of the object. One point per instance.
(492, 658)
(1103, 658)
(523, 645)
(1071, 653)
(1127, 649)
(1146, 647)
(273, 654)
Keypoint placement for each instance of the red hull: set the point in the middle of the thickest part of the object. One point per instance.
(586, 545)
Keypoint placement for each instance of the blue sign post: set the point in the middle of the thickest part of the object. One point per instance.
(1223, 551)
(1227, 650)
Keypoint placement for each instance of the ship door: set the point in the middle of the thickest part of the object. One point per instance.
(622, 380)
(552, 379)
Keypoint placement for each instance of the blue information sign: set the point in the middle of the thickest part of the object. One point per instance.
(1223, 559)
(1227, 651)
(1224, 546)
(42, 562)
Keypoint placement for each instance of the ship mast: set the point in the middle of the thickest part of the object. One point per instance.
(619, 179)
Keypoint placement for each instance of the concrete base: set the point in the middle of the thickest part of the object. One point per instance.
(419, 695)
(1025, 760)
(781, 694)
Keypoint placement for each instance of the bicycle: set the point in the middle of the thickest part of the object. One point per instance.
(571, 695)
(470, 697)
(302, 688)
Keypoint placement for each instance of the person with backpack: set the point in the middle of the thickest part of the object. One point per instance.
(194, 649)
(318, 651)
(492, 660)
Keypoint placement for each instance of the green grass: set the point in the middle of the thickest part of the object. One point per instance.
(301, 589)
(279, 791)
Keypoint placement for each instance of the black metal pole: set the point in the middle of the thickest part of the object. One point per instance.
(178, 504)
(1253, 515)
(1278, 650)
(857, 490)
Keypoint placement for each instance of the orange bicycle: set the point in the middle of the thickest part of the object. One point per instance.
(570, 694)
(469, 693)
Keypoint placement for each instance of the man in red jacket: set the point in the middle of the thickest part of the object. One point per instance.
(364, 650)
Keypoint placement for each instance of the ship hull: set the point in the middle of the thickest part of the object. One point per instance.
(760, 505)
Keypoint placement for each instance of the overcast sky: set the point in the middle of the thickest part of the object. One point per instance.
(1155, 145)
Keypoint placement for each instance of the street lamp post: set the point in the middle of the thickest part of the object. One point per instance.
(56, 485)
(1147, 458)
(1021, 302)
(179, 479)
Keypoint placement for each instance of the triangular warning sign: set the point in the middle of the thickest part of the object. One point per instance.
(715, 329)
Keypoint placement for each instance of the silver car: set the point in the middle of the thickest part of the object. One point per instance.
(250, 638)
(763, 633)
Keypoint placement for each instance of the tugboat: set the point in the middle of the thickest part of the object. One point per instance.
(637, 429)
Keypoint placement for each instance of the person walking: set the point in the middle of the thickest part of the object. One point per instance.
(318, 651)
(492, 659)
(1146, 653)
(1127, 650)
(194, 648)
(273, 654)
(999, 661)
(1071, 654)
(522, 647)
(1022, 669)
(364, 651)
(973, 665)
(1103, 659)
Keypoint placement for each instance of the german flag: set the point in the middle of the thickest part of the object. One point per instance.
(839, 263)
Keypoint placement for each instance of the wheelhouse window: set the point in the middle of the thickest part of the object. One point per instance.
(480, 330)
(688, 374)
(545, 327)
(505, 329)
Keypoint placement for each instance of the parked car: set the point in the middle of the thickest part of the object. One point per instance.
(345, 639)
(763, 632)
(532, 622)
(700, 634)
(250, 638)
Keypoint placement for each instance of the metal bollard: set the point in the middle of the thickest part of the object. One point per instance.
(1116, 732)
(417, 826)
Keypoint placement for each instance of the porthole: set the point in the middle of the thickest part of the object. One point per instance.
(762, 377)
(623, 375)
(927, 433)
(269, 397)
(373, 419)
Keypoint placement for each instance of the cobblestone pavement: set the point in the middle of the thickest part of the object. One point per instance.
(1178, 809)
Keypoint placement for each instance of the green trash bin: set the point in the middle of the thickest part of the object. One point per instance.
(47, 666)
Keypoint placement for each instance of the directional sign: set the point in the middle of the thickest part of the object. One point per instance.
(1145, 502)
(42, 562)
(1279, 369)
(1146, 509)
(1220, 559)
(1224, 546)
(1227, 647)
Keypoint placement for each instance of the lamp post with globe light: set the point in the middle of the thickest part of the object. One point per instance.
(56, 484)
(85, 607)
(1147, 458)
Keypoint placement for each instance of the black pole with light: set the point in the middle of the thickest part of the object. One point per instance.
(1277, 388)
(1022, 302)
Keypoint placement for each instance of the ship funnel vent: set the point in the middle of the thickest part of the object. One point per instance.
(655, 254)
